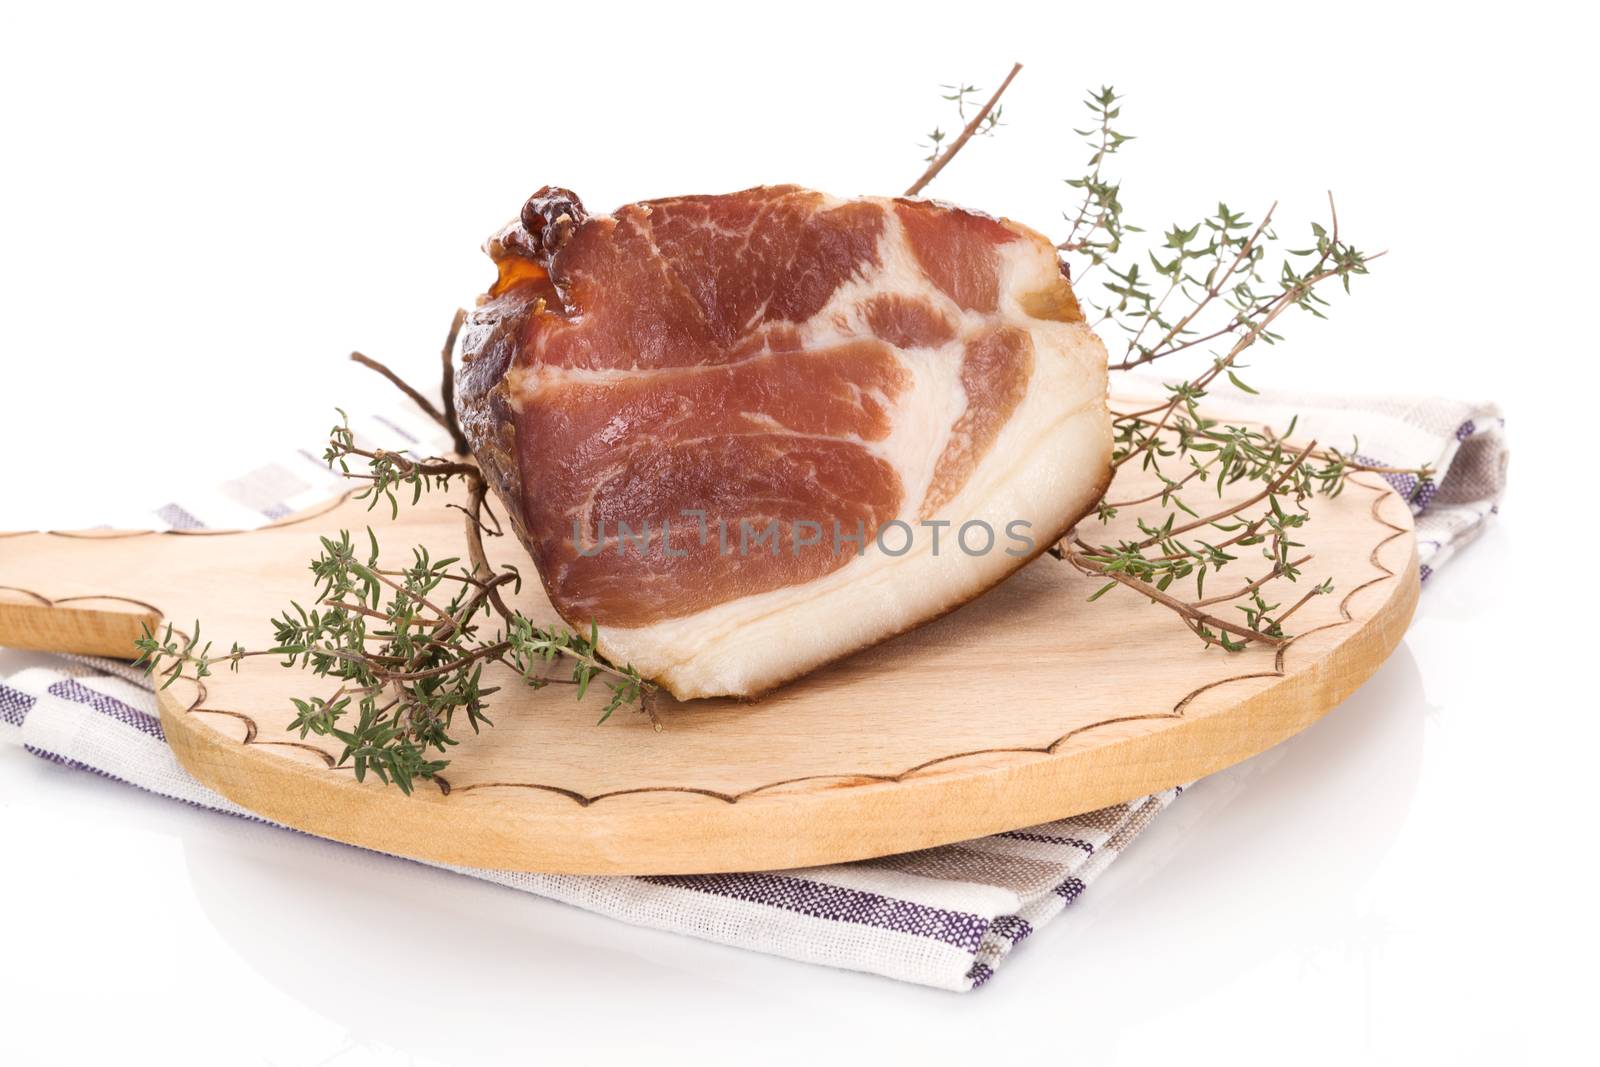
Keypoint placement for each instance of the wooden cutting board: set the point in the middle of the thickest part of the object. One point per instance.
(1027, 705)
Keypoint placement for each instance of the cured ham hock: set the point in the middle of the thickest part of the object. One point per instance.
(747, 434)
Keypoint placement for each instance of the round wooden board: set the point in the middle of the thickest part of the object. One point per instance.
(1027, 705)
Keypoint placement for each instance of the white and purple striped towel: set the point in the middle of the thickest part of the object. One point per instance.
(943, 917)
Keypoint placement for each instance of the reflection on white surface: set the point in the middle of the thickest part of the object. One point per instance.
(1263, 861)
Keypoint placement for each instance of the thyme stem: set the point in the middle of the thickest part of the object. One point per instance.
(941, 159)
(1089, 565)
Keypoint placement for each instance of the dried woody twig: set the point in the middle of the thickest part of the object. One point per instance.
(941, 159)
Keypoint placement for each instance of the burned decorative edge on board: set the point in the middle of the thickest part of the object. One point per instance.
(1382, 493)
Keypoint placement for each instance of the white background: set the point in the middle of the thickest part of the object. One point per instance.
(204, 210)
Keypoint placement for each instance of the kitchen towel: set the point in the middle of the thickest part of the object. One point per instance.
(944, 917)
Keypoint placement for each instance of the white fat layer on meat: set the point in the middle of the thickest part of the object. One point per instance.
(923, 415)
(1048, 463)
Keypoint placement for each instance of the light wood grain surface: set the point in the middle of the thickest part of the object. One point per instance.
(1026, 705)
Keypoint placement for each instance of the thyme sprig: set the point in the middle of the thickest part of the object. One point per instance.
(986, 120)
(1096, 228)
(388, 472)
(407, 644)
(1216, 285)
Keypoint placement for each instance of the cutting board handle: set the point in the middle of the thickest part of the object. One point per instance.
(62, 592)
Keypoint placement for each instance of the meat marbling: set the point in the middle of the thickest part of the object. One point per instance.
(832, 378)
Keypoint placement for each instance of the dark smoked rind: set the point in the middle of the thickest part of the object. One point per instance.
(486, 350)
